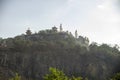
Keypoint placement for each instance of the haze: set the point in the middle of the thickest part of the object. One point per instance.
(99, 20)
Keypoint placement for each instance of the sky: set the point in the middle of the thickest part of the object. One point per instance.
(99, 20)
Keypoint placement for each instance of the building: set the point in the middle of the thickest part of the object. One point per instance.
(54, 29)
(61, 29)
(28, 32)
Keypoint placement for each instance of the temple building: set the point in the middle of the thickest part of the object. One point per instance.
(54, 29)
(28, 32)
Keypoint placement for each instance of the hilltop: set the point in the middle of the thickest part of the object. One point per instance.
(31, 55)
(48, 35)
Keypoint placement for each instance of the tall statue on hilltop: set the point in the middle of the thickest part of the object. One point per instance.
(28, 32)
(76, 34)
(61, 29)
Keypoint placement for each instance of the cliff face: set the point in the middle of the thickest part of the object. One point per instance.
(32, 55)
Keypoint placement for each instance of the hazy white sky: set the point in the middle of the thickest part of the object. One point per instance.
(99, 20)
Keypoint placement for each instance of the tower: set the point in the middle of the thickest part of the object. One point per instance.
(76, 34)
(28, 32)
(61, 29)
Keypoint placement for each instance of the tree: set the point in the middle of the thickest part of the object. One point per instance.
(17, 77)
(56, 74)
(116, 77)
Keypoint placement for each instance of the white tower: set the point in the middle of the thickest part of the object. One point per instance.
(61, 29)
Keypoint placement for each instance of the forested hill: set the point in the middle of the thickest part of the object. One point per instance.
(31, 55)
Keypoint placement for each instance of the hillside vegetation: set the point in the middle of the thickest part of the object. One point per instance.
(32, 55)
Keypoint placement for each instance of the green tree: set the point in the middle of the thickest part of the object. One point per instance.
(76, 78)
(17, 77)
(56, 74)
(116, 77)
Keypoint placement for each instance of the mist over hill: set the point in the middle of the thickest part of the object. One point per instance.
(32, 54)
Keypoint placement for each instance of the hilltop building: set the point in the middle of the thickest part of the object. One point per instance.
(59, 35)
(61, 29)
(54, 29)
(28, 32)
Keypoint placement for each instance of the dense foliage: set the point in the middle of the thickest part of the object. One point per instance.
(32, 55)
(17, 77)
(116, 76)
(56, 74)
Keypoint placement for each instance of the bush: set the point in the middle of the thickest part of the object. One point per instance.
(17, 77)
(116, 77)
(56, 74)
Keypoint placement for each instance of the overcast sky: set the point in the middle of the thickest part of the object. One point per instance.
(99, 20)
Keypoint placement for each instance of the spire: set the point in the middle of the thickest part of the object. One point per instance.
(76, 34)
(28, 28)
(61, 29)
